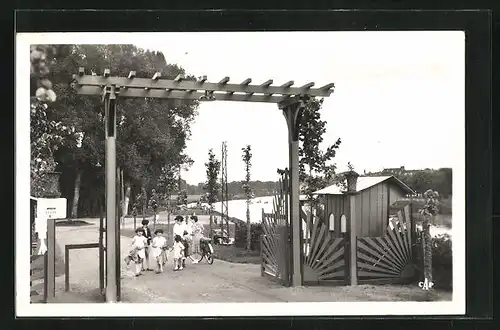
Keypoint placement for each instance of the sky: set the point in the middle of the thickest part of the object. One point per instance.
(397, 102)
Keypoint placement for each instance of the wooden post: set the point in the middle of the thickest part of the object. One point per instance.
(51, 249)
(111, 253)
(353, 239)
(101, 254)
(292, 113)
(66, 269)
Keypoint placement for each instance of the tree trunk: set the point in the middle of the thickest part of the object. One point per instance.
(249, 227)
(76, 195)
(127, 199)
(427, 246)
(210, 221)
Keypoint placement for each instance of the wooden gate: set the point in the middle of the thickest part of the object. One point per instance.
(276, 240)
(387, 259)
(325, 259)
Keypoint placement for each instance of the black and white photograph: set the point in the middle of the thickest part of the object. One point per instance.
(235, 174)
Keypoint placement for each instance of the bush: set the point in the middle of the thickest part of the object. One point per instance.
(240, 236)
(442, 264)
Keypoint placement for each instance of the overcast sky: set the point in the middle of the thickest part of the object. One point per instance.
(398, 97)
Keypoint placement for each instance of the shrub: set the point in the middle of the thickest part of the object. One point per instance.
(442, 264)
(241, 235)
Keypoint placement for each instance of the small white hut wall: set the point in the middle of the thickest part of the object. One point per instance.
(395, 193)
(337, 205)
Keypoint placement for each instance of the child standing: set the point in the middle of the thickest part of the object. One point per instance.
(158, 250)
(178, 252)
(137, 254)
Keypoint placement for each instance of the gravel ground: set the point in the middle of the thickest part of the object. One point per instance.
(202, 283)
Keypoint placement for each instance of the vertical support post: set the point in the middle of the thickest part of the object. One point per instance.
(292, 112)
(66, 268)
(117, 235)
(51, 259)
(353, 239)
(111, 253)
(101, 252)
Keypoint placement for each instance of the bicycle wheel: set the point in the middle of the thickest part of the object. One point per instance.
(210, 258)
(196, 256)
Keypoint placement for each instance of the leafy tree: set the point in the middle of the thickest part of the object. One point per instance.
(151, 132)
(153, 204)
(182, 197)
(212, 185)
(315, 172)
(247, 159)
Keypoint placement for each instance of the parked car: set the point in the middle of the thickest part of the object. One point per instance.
(221, 237)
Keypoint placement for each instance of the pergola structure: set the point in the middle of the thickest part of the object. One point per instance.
(291, 100)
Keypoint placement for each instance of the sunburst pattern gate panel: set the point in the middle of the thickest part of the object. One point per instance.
(275, 241)
(387, 259)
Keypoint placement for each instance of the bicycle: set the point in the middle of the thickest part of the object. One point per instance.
(207, 251)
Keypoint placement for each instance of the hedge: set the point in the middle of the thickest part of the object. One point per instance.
(240, 236)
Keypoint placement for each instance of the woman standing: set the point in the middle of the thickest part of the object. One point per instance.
(197, 236)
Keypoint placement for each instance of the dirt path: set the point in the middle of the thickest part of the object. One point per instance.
(220, 282)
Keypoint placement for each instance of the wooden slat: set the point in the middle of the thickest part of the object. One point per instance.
(396, 238)
(314, 235)
(377, 269)
(288, 84)
(377, 275)
(381, 261)
(320, 238)
(224, 81)
(391, 242)
(307, 86)
(328, 86)
(389, 250)
(246, 82)
(326, 242)
(371, 247)
(409, 229)
(331, 268)
(340, 273)
(267, 83)
(332, 258)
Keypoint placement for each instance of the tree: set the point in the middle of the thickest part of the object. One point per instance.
(153, 204)
(212, 185)
(151, 135)
(247, 159)
(429, 211)
(314, 171)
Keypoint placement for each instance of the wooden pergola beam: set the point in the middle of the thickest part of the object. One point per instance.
(181, 94)
(224, 81)
(180, 84)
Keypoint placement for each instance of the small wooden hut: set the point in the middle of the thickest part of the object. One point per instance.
(373, 197)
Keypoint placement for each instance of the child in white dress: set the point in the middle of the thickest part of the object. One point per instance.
(178, 252)
(137, 254)
(158, 250)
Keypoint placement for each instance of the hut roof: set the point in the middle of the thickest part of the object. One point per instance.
(365, 182)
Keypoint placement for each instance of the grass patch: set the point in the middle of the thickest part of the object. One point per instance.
(236, 254)
(72, 223)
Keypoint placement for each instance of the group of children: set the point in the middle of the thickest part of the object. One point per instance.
(141, 242)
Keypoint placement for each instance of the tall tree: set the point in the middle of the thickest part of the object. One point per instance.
(247, 159)
(152, 133)
(315, 172)
(212, 185)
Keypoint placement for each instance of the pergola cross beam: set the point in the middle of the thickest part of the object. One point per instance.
(180, 88)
